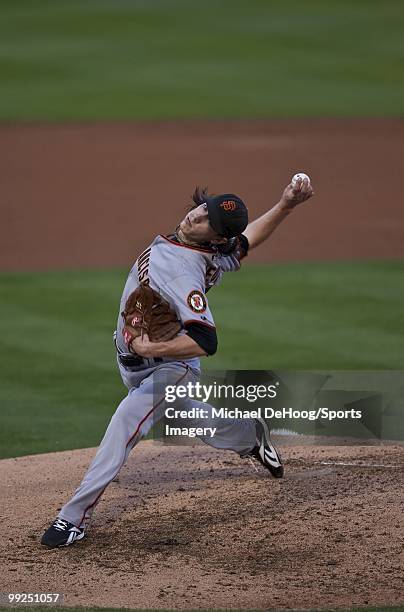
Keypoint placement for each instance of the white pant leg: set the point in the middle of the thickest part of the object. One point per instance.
(238, 435)
(138, 411)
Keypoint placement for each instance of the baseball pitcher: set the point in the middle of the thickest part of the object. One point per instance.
(164, 327)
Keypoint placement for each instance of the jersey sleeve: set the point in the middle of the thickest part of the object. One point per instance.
(228, 263)
(189, 301)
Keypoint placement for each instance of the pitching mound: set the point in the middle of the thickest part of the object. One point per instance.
(189, 527)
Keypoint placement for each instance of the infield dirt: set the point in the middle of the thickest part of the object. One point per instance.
(190, 527)
(94, 195)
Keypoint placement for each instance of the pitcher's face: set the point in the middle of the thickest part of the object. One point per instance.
(195, 227)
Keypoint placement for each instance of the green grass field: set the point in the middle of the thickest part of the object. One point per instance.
(121, 59)
(59, 383)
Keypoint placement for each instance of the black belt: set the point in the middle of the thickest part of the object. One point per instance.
(130, 360)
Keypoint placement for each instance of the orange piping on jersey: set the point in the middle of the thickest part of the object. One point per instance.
(187, 246)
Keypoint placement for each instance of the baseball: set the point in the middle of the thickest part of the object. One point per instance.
(301, 176)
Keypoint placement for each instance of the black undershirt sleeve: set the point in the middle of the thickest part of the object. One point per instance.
(244, 244)
(204, 335)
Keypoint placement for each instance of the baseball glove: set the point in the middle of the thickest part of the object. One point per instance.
(147, 312)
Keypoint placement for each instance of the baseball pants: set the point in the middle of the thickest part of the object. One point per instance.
(144, 405)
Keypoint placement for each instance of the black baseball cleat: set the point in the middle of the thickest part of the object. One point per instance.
(61, 533)
(265, 452)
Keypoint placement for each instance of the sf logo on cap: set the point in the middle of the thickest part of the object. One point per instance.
(228, 205)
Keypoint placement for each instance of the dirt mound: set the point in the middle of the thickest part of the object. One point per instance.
(94, 195)
(189, 527)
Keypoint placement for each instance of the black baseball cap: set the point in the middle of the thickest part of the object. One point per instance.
(228, 215)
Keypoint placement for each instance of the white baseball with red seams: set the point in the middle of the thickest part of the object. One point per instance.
(301, 176)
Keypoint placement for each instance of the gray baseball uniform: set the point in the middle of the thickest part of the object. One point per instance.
(182, 274)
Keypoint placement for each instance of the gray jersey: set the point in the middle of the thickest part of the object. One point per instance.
(182, 275)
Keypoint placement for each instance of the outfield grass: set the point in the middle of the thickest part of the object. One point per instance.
(311, 316)
(59, 384)
(120, 59)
